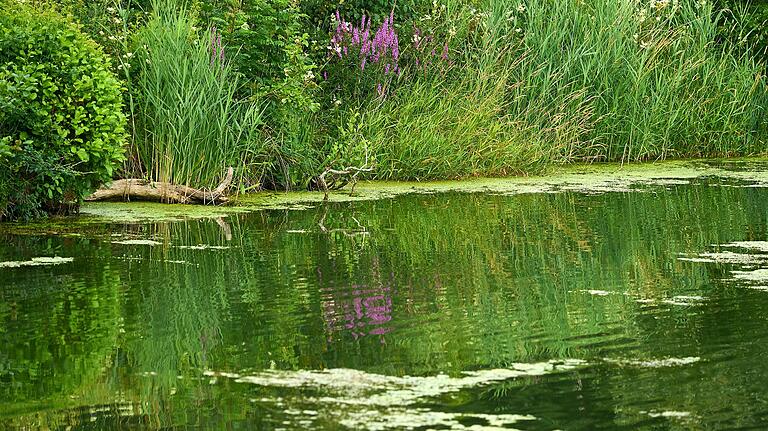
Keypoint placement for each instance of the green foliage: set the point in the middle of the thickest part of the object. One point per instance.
(110, 23)
(522, 85)
(61, 125)
(267, 42)
(744, 24)
(189, 125)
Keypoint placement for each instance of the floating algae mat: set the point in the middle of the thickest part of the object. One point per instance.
(597, 298)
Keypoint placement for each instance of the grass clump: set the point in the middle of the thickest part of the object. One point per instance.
(189, 126)
(541, 82)
(659, 84)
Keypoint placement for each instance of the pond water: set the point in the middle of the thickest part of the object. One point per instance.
(642, 307)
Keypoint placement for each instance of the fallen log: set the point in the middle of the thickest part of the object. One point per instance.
(140, 189)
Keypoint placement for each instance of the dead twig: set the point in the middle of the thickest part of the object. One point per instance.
(351, 172)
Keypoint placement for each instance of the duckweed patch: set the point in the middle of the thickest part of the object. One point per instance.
(37, 261)
(581, 178)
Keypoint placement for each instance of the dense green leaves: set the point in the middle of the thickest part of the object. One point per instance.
(61, 125)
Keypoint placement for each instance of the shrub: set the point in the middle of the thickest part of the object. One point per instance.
(61, 126)
(267, 48)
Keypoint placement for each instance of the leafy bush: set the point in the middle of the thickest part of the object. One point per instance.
(61, 126)
(267, 45)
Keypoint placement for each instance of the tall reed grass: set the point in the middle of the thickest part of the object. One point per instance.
(549, 82)
(659, 84)
(189, 125)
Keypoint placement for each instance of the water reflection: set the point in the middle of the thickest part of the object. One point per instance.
(359, 309)
(124, 334)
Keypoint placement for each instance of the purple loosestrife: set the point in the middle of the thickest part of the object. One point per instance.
(425, 52)
(213, 45)
(374, 55)
(359, 45)
(217, 47)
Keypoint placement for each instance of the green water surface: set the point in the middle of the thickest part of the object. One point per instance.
(644, 307)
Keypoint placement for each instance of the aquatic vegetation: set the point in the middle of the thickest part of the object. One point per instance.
(761, 246)
(37, 261)
(202, 247)
(760, 275)
(727, 257)
(455, 309)
(656, 363)
(138, 242)
(377, 402)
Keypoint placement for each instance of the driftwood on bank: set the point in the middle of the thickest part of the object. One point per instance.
(140, 189)
(332, 179)
(350, 173)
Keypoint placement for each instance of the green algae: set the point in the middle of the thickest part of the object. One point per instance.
(138, 242)
(655, 363)
(37, 261)
(583, 178)
(590, 179)
(137, 212)
(362, 400)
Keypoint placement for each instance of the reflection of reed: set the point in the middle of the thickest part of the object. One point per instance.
(182, 307)
(61, 326)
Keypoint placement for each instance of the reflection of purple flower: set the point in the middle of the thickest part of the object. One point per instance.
(361, 311)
